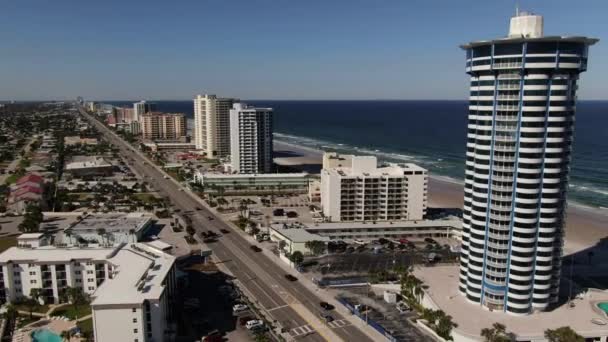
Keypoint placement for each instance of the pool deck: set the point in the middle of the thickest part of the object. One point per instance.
(55, 325)
(471, 318)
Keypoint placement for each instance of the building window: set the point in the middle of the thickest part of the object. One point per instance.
(79, 280)
(91, 288)
(89, 272)
(90, 280)
(134, 320)
(135, 331)
(134, 309)
(77, 264)
(33, 273)
(33, 281)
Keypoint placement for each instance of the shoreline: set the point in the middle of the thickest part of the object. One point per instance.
(585, 226)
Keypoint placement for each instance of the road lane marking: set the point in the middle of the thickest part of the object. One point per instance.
(278, 307)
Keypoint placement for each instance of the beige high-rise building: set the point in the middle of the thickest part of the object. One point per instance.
(163, 126)
(212, 124)
(354, 188)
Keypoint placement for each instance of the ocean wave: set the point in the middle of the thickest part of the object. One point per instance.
(441, 167)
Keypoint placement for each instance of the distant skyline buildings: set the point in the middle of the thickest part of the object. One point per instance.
(356, 50)
(523, 91)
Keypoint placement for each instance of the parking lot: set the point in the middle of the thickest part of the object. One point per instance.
(386, 315)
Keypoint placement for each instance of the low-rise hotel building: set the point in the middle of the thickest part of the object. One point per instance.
(263, 183)
(131, 286)
(354, 188)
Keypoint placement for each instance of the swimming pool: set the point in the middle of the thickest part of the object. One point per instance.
(45, 335)
(603, 306)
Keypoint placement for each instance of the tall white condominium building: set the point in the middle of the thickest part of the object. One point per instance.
(250, 139)
(354, 188)
(521, 115)
(212, 124)
(142, 107)
(131, 286)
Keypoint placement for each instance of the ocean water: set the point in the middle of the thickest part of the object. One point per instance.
(429, 133)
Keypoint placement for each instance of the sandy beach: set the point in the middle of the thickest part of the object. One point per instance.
(585, 227)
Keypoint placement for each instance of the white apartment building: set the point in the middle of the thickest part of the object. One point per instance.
(131, 286)
(354, 188)
(521, 121)
(250, 139)
(212, 124)
(142, 107)
(163, 126)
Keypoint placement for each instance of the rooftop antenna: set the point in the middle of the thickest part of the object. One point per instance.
(517, 8)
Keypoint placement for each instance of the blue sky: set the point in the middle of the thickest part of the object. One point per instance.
(316, 49)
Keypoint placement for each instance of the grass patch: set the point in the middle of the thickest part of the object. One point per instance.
(24, 320)
(146, 197)
(11, 179)
(25, 308)
(86, 327)
(70, 312)
(7, 242)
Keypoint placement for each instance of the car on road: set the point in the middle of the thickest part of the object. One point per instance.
(210, 218)
(224, 231)
(244, 320)
(255, 248)
(198, 208)
(166, 177)
(254, 323)
(290, 277)
(239, 308)
(326, 306)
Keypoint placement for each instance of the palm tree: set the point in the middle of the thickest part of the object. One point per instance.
(498, 333)
(34, 300)
(445, 325)
(563, 334)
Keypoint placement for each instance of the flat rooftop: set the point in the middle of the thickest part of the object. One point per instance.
(117, 222)
(139, 270)
(96, 162)
(471, 318)
(454, 223)
(385, 170)
(255, 175)
(296, 234)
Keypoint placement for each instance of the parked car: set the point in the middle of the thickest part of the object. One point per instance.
(254, 323)
(224, 231)
(290, 277)
(244, 320)
(214, 336)
(255, 248)
(239, 308)
(429, 240)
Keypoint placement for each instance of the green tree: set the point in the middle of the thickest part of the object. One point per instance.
(563, 334)
(316, 247)
(31, 220)
(34, 301)
(296, 257)
(498, 333)
(444, 326)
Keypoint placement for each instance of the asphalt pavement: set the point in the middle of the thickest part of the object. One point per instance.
(289, 303)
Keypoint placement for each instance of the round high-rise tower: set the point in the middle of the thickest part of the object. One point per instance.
(521, 118)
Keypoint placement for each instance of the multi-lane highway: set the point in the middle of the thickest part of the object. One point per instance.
(289, 303)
